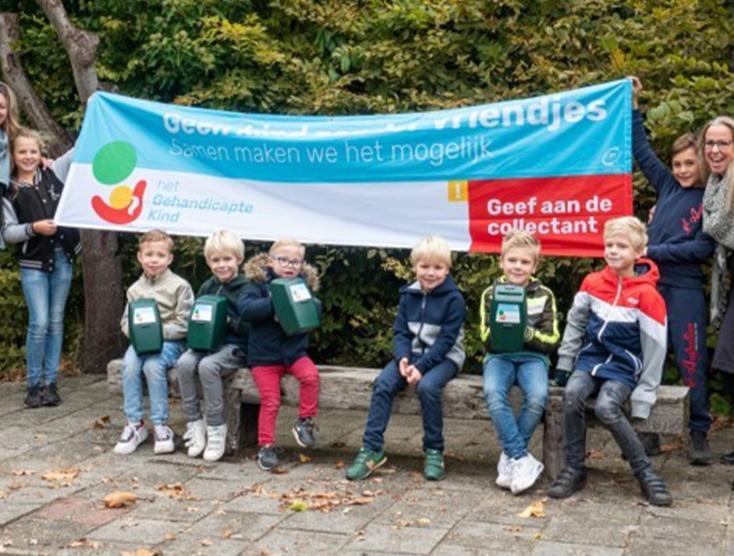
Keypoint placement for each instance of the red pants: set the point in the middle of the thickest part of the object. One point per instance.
(267, 378)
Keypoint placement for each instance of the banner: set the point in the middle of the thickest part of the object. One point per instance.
(558, 166)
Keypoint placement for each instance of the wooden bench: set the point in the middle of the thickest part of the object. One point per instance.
(351, 388)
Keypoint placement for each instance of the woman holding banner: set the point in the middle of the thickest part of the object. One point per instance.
(717, 143)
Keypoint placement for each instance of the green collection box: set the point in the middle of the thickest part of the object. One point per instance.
(144, 324)
(294, 305)
(207, 323)
(508, 316)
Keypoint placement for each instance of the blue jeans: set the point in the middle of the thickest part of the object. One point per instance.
(609, 409)
(45, 295)
(429, 389)
(501, 373)
(154, 367)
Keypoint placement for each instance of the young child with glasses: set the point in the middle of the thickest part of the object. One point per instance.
(271, 353)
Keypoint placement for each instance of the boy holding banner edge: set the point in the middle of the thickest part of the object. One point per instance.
(271, 352)
(428, 352)
(173, 298)
(224, 253)
(525, 363)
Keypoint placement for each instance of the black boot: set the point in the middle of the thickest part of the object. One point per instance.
(654, 488)
(699, 452)
(51, 395)
(569, 481)
(34, 398)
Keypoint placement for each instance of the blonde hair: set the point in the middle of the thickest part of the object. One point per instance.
(520, 239)
(629, 226)
(25, 133)
(10, 126)
(287, 242)
(729, 173)
(221, 242)
(155, 235)
(433, 248)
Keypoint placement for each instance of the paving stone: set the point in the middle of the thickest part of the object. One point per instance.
(547, 548)
(173, 508)
(77, 510)
(217, 489)
(682, 531)
(385, 538)
(494, 537)
(33, 534)
(289, 541)
(594, 531)
(12, 511)
(206, 546)
(129, 530)
(449, 549)
(234, 526)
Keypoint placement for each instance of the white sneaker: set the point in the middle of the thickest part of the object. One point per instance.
(133, 435)
(216, 440)
(504, 472)
(195, 437)
(163, 440)
(525, 471)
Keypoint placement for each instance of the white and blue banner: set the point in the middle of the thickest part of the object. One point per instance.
(557, 165)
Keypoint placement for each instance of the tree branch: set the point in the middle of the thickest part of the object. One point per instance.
(35, 109)
(81, 46)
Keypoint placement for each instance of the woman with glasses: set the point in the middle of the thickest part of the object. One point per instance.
(717, 141)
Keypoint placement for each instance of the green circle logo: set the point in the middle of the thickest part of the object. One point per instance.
(114, 162)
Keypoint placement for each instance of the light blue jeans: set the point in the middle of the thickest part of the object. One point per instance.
(154, 367)
(45, 295)
(501, 373)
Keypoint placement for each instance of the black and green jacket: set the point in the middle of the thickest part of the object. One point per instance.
(541, 334)
(238, 329)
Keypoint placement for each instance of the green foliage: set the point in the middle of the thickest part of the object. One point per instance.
(370, 56)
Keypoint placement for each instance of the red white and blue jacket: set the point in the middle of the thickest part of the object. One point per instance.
(617, 330)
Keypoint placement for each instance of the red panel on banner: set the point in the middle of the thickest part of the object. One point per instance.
(567, 214)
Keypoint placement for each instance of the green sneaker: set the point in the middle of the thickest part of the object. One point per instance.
(434, 468)
(365, 463)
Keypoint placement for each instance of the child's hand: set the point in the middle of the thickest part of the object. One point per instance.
(403, 366)
(44, 227)
(636, 88)
(415, 375)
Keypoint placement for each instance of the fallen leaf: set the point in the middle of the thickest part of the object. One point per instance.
(595, 454)
(3, 494)
(174, 490)
(206, 542)
(84, 543)
(169, 536)
(279, 470)
(361, 501)
(303, 458)
(22, 472)
(538, 536)
(227, 533)
(423, 521)
(338, 444)
(61, 474)
(142, 552)
(339, 464)
(536, 509)
(298, 506)
(102, 422)
(515, 529)
(119, 499)
(672, 447)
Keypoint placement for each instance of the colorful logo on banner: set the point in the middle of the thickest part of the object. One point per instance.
(112, 165)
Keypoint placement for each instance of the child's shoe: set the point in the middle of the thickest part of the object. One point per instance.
(365, 463)
(654, 488)
(525, 471)
(163, 440)
(569, 481)
(267, 457)
(133, 435)
(34, 397)
(195, 437)
(51, 395)
(504, 471)
(434, 468)
(303, 432)
(699, 453)
(216, 441)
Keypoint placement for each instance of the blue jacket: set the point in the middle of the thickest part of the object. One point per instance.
(238, 329)
(617, 330)
(428, 328)
(677, 242)
(268, 344)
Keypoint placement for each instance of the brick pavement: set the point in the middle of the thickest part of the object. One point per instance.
(56, 467)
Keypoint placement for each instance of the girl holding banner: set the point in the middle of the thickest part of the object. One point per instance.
(8, 128)
(717, 142)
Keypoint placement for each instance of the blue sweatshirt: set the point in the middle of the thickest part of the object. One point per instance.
(428, 328)
(677, 242)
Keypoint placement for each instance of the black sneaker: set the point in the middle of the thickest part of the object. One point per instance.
(569, 481)
(699, 452)
(267, 457)
(728, 459)
(51, 395)
(34, 398)
(303, 432)
(654, 488)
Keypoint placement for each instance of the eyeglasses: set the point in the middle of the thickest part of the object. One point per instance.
(723, 145)
(285, 261)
